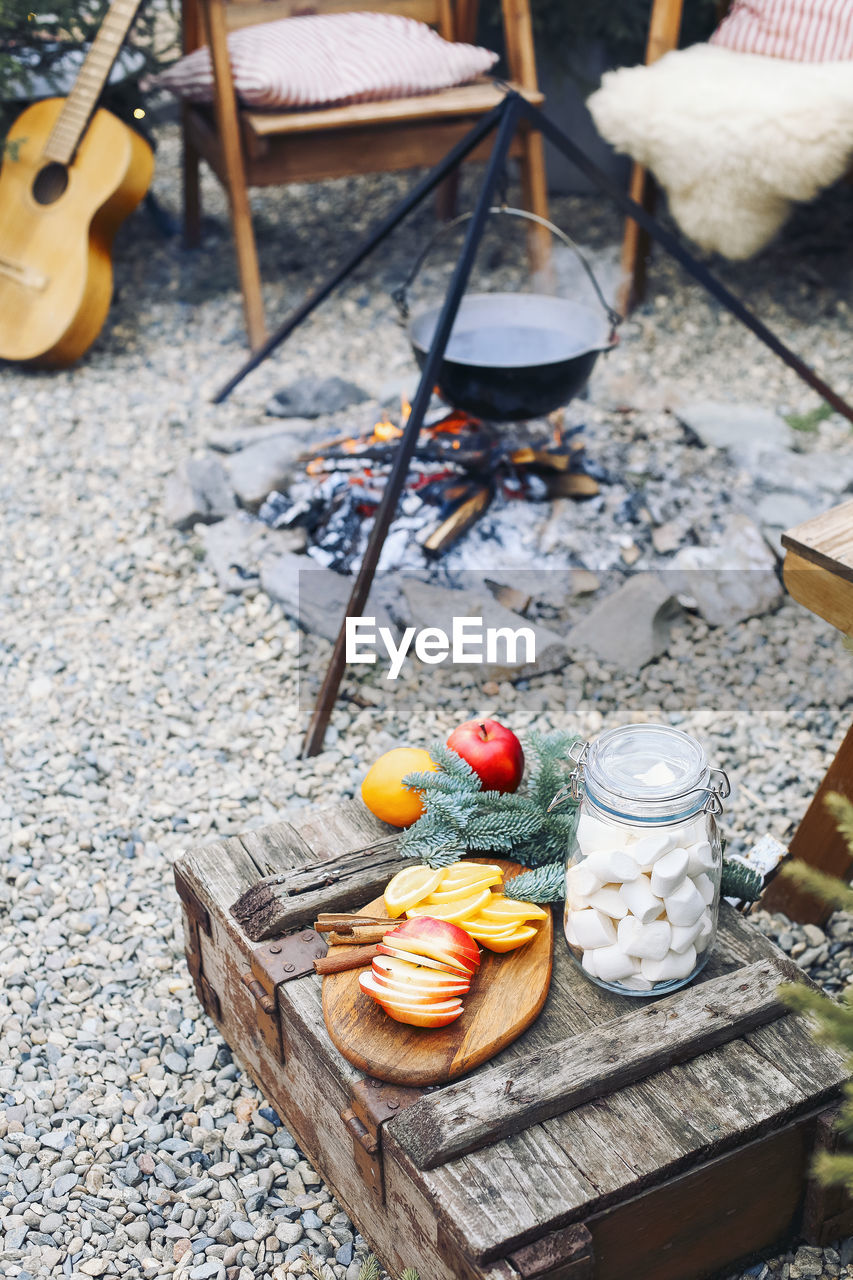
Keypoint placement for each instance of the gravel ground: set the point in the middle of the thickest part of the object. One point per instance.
(144, 710)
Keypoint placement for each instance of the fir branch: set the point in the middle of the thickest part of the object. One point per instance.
(370, 1269)
(740, 881)
(547, 884)
(410, 1274)
(451, 762)
(842, 811)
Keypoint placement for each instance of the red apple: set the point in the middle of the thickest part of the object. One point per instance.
(407, 979)
(416, 1010)
(493, 752)
(437, 939)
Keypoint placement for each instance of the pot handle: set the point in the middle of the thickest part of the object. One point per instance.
(401, 293)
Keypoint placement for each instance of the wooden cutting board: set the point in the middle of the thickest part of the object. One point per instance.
(506, 995)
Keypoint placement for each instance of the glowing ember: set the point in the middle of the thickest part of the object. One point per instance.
(385, 430)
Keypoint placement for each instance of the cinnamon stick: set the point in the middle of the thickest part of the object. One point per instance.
(329, 921)
(370, 933)
(355, 959)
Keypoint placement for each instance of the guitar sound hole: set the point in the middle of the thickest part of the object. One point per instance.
(50, 183)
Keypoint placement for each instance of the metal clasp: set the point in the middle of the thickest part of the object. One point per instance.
(574, 787)
(719, 790)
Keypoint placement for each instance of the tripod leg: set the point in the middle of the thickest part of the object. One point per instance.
(406, 447)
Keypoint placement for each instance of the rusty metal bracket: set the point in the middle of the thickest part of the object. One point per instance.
(197, 921)
(372, 1102)
(273, 963)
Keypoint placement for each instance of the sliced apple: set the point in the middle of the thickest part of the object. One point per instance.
(441, 939)
(508, 909)
(453, 912)
(399, 953)
(388, 970)
(429, 1015)
(522, 934)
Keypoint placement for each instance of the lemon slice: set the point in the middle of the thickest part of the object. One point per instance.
(461, 891)
(452, 912)
(459, 873)
(484, 930)
(517, 938)
(507, 910)
(408, 887)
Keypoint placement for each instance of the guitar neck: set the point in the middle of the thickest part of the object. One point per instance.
(81, 101)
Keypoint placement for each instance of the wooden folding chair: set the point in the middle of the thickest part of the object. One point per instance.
(249, 148)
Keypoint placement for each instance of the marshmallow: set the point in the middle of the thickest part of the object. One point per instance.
(640, 900)
(685, 904)
(592, 929)
(651, 847)
(669, 871)
(637, 983)
(612, 964)
(684, 935)
(607, 899)
(705, 885)
(673, 965)
(648, 941)
(581, 883)
(706, 932)
(699, 858)
(588, 963)
(569, 929)
(612, 865)
(594, 836)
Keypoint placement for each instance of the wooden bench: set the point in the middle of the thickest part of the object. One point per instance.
(616, 1138)
(818, 572)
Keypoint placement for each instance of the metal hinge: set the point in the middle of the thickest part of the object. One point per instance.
(273, 963)
(372, 1102)
(197, 921)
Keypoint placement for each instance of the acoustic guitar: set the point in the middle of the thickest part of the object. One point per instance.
(70, 175)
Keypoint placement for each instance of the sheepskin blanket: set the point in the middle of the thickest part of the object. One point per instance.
(734, 138)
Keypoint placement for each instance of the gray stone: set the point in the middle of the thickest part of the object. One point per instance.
(258, 469)
(808, 1261)
(241, 1229)
(427, 605)
(14, 1239)
(631, 627)
(344, 1255)
(138, 1231)
(233, 439)
(164, 1174)
(289, 1232)
(778, 512)
(312, 397)
(205, 1056)
(807, 473)
(731, 581)
(212, 1270)
(63, 1185)
(315, 598)
(310, 1219)
(295, 1251)
(57, 1141)
(198, 493)
(724, 426)
(175, 1062)
(236, 547)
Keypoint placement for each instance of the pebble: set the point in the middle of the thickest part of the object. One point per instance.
(146, 710)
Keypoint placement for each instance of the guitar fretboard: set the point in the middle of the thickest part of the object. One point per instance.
(80, 103)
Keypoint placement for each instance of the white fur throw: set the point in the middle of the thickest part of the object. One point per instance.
(734, 138)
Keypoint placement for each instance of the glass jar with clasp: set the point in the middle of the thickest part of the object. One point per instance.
(643, 871)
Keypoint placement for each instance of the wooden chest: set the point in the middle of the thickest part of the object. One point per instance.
(615, 1140)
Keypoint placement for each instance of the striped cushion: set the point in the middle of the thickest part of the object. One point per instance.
(331, 58)
(800, 30)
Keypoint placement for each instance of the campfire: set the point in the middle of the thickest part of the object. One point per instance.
(460, 465)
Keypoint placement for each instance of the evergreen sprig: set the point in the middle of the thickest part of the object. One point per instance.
(459, 817)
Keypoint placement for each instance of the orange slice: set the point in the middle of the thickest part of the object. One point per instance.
(502, 909)
(484, 930)
(408, 887)
(453, 912)
(516, 939)
(463, 890)
(468, 873)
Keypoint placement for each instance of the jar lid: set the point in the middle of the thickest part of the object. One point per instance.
(647, 772)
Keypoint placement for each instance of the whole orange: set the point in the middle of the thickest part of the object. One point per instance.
(383, 791)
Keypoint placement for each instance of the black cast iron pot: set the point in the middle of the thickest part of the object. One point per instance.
(512, 356)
